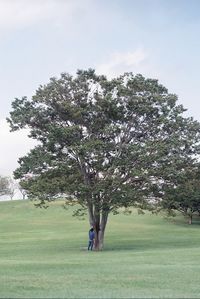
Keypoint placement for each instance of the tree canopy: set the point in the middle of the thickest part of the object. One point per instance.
(105, 143)
(184, 194)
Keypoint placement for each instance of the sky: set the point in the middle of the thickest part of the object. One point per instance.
(40, 39)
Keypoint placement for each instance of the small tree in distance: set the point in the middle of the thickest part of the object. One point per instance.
(184, 194)
(22, 191)
(4, 185)
(13, 187)
(106, 143)
(8, 186)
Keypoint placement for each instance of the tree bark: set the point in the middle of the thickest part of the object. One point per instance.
(190, 219)
(100, 231)
(91, 215)
(96, 227)
(98, 221)
(104, 219)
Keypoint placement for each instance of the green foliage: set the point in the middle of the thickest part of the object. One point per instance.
(107, 143)
(184, 194)
(140, 212)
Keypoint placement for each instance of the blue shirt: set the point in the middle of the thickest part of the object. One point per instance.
(91, 235)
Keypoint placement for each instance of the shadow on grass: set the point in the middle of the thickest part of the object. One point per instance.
(178, 235)
(148, 245)
(184, 221)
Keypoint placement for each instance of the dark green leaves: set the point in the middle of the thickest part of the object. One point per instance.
(107, 143)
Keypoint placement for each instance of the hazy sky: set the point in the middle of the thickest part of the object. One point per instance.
(42, 38)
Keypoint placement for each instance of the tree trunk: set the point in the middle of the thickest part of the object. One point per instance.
(100, 231)
(91, 215)
(101, 239)
(98, 221)
(190, 219)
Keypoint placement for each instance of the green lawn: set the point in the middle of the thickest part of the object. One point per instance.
(43, 255)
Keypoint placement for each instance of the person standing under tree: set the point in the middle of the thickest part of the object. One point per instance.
(91, 239)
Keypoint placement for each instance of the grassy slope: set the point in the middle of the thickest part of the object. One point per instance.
(42, 254)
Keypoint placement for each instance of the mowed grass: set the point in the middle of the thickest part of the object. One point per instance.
(43, 255)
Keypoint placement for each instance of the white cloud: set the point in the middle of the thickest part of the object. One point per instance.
(21, 13)
(13, 146)
(121, 62)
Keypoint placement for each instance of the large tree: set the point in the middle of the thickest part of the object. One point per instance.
(105, 143)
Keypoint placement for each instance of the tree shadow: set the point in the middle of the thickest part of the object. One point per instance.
(178, 234)
(183, 221)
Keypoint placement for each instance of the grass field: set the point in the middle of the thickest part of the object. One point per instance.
(43, 255)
